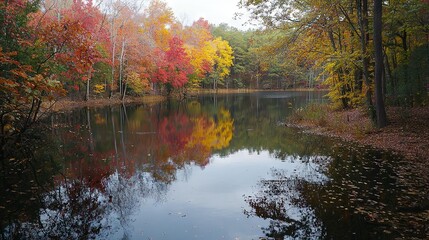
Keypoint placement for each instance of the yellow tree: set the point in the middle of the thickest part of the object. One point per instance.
(222, 60)
(197, 40)
(159, 19)
(202, 60)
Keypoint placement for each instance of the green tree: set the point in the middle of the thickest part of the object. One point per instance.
(239, 41)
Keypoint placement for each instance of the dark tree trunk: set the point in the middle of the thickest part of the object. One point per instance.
(378, 49)
(389, 77)
(362, 9)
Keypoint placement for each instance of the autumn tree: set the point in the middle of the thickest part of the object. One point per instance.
(24, 81)
(241, 43)
(157, 24)
(173, 67)
(211, 57)
(133, 50)
(197, 38)
(319, 35)
(222, 61)
(336, 38)
(74, 41)
(157, 30)
(95, 25)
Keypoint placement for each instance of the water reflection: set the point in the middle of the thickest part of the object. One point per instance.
(360, 194)
(35, 203)
(190, 169)
(128, 154)
(73, 210)
(279, 201)
(141, 138)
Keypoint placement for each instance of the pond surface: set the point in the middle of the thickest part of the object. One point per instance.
(212, 167)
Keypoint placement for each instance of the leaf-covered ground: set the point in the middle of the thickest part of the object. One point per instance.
(406, 134)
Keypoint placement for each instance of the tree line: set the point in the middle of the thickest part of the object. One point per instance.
(366, 52)
(113, 47)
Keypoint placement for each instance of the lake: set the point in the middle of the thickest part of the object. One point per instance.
(209, 167)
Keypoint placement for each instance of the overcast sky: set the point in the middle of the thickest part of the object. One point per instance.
(215, 11)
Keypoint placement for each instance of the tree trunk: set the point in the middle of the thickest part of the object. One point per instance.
(113, 39)
(389, 77)
(121, 67)
(332, 39)
(257, 80)
(113, 67)
(362, 10)
(378, 49)
(215, 83)
(88, 86)
(125, 92)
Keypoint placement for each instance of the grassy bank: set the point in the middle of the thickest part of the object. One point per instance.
(407, 132)
(351, 123)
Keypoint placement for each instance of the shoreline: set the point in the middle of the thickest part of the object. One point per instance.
(407, 133)
(66, 104)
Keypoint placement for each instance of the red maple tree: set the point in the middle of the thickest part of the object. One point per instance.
(173, 66)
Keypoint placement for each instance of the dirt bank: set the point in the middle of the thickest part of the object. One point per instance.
(66, 104)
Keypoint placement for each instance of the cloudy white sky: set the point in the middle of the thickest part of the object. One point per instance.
(215, 11)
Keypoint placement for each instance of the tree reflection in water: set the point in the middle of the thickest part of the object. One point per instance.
(127, 193)
(362, 196)
(36, 205)
(73, 210)
(97, 169)
(279, 200)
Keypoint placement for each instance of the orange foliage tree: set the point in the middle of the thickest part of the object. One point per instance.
(74, 40)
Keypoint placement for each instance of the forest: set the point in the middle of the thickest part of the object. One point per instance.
(367, 53)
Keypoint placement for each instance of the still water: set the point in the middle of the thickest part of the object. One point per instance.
(212, 167)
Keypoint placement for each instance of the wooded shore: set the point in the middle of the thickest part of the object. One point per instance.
(407, 132)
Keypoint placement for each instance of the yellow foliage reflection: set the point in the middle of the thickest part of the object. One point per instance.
(208, 135)
(99, 120)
